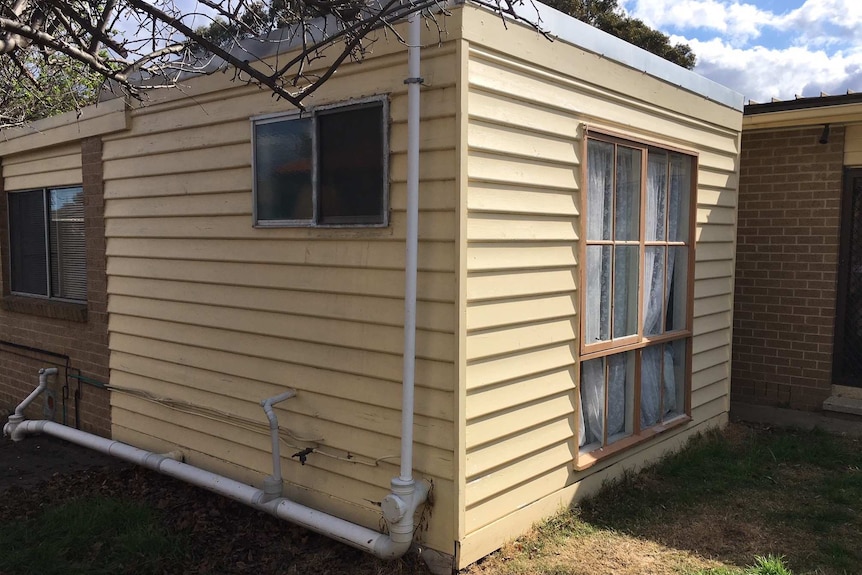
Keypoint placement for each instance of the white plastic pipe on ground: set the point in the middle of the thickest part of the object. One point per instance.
(379, 544)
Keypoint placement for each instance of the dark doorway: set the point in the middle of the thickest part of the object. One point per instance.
(848, 319)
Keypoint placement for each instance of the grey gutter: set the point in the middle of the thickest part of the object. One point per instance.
(803, 104)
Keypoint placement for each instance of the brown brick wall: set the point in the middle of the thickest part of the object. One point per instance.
(786, 267)
(38, 333)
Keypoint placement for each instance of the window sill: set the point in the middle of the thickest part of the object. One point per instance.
(586, 460)
(53, 309)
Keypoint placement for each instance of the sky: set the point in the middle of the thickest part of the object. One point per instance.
(766, 49)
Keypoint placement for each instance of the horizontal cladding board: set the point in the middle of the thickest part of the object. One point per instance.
(311, 386)
(517, 338)
(567, 94)
(235, 102)
(712, 340)
(486, 167)
(487, 400)
(306, 416)
(432, 286)
(516, 497)
(218, 440)
(386, 311)
(434, 226)
(710, 358)
(503, 285)
(44, 180)
(517, 446)
(709, 376)
(365, 335)
(265, 359)
(715, 251)
(521, 199)
(716, 215)
(498, 481)
(710, 305)
(141, 145)
(41, 155)
(713, 269)
(510, 140)
(490, 256)
(510, 227)
(717, 197)
(433, 256)
(494, 107)
(519, 365)
(517, 419)
(498, 313)
(704, 288)
(65, 162)
(713, 322)
(708, 393)
(715, 233)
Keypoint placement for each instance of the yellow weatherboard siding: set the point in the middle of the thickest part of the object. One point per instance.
(208, 314)
(42, 168)
(527, 105)
(208, 310)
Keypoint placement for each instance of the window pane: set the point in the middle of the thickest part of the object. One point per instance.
(654, 292)
(621, 378)
(677, 266)
(27, 247)
(625, 290)
(628, 188)
(651, 374)
(283, 163)
(600, 164)
(597, 314)
(680, 196)
(351, 166)
(68, 249)
(674, 379)
(656, 196)
(592, 404)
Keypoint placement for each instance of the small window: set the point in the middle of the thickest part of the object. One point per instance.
(322, 168)
(636, 296)
(46, 243)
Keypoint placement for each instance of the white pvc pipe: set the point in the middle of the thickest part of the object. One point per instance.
(267, 404)
(43, 383)
(412, 246)
(379, 544)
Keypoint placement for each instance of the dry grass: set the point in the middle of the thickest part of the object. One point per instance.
(726, 498)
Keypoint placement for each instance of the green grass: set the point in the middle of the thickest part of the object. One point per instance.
(94, 536)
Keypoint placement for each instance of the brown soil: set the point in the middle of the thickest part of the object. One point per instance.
(224, 536)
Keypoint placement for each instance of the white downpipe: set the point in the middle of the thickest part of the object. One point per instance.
(413, 82)
(379, 544)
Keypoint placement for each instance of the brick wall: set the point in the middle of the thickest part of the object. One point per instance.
(786, 267)
(38, 333)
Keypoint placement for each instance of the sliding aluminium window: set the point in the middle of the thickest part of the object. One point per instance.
(324, 167)
(46, 243)
(636, 296)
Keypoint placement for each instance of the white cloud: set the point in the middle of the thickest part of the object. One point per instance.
(733, 19)
(761, 73)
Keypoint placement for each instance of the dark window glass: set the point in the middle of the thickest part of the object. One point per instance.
(283, 168)
(351, 166)
(28, 253)
(326, 168)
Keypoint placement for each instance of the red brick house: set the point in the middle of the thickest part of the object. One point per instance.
(797, 339)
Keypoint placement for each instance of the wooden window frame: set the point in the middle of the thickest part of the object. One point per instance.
(313, 114)
(49, 287)
(639, 341)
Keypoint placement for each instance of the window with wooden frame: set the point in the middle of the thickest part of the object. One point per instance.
(637, 268)
(322, 167)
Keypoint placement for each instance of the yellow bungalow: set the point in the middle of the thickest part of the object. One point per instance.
(576, 239)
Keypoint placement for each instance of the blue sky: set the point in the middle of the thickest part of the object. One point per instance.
(766, 48)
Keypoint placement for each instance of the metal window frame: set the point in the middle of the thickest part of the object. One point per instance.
(46, 191)
(312, 114)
